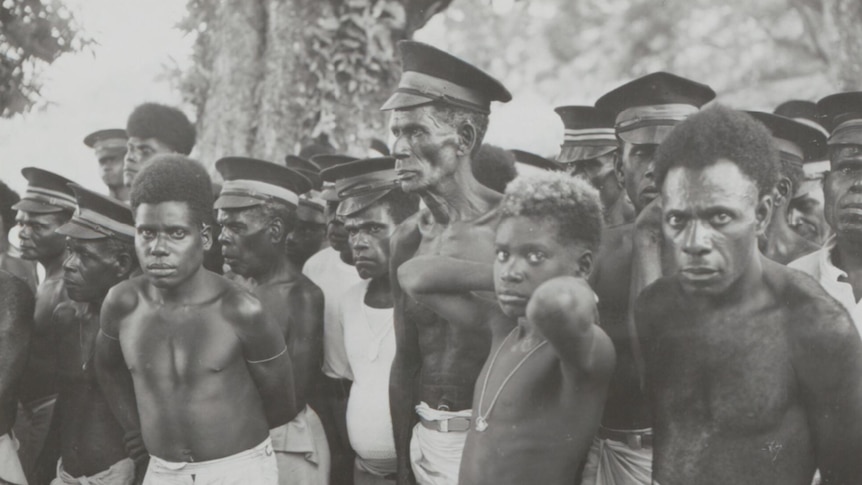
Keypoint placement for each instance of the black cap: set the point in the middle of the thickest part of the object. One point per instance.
(305, 167)
(841, 114)
(110, 134)
(646, 110)
(589, 133)
(534, 160)
(380, 147)
(327, 161)
(249, 182)
(98, 216)
(360, 183)
(430, 74)
(811, 143)
(804, 112)
(46, 192)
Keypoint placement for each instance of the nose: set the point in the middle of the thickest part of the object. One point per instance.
(400, 149)
(650, 170)
(24, 233)
(70, 264)
(159, 247)
(223, 237)
(856, 187)
(358, 242)
(696, 240)
(512, 272)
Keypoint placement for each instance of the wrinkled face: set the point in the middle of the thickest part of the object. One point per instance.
(91, 269)
(599, 172)
(335, 232)
(139, 151)
(246, 241)
(169, 245)
(370, 230)
(38, 235)
(806, 217)
(712, 218)
(842, 191)
(638, 172)
(111, 169)
(425, 148)
(528, 254)
(305, 240)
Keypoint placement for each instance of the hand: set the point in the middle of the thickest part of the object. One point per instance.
(134, 442)
(648, 223)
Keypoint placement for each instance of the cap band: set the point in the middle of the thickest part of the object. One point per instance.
(102, 224)
(591, 136)
(50, 197)
(659, 114)
(815, 170)
(436, 89)
(110, 143)
(258, 190)
(366, 183)
(848, 132)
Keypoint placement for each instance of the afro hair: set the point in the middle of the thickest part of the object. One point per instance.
(572, 203)
(164, 123)
(494, 167)
(8, 198)
(718, 133)
(175, 178)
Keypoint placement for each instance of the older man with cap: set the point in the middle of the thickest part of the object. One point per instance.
(796, 142)
(256, 210)
(837, 266)
(631, 257)
(372, 205)
(152, 129)
(309, 232)
(48, 203)
(588, 150)
(109, 146)
(439, 118)
(84, 432)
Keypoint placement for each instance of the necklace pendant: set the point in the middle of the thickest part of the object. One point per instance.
(481, 424)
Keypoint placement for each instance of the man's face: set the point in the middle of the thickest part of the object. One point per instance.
(91, 269)
(842, 191)
(370, 230)
(38, 235)
(246, 241)
(425, 148)
(637, 166)
(170, 246)
(528, 254)
(806, 216)
(335, 232)
(111, 169)
(599, 172)
(712, 217)
(305, 240)
(139, 151)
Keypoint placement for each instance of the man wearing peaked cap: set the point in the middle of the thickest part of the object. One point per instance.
(372, 205)
(588, 151)
(109, 146)
(440, 116)
(307, 237)
(530, 159)
(335, 233)
(47, 204)
(100, 237)
(256, 210)
(645, 112)
(796, 142)
(833, 265)
(305, 167)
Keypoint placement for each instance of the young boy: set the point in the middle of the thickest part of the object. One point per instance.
(539, 398)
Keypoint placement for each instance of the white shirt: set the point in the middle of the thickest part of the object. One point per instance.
(833, 279)
(326, 270)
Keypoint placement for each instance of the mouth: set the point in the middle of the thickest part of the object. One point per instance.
(405, 174)
(160, 269)
(507, 298)
(649, 193)
(698, 272)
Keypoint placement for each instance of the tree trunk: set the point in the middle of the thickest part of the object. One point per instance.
(847, 15)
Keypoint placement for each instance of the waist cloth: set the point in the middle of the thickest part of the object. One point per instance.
(435, 455)
(613, 462)
(11, 470)
(301, 450)
(256, 465)
(31, 428)
(120, 473)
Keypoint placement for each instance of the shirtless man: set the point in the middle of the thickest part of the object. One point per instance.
(109, 146)
(629, 258)
(796, 143)
(588, 150)
(188, 358)
(256, 210)
(536, 407)
(47, 204)
(155, 129)
(84, 432)
(753, 371)
(440, 116)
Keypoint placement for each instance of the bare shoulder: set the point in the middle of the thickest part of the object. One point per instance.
(123, 298)
(406, 238)
(66, 313)
(15, 295)
(239, 306)
(659, 298)
(811, 310)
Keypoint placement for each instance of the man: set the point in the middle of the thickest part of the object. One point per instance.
(536, 406)
(86, 435)
(48, 203)
(308, 234)
(440, 115)
(494, 167)
(256, 210)
(10, 256)
(191, 362)
(153, 129)
(835, 265)
(630, 257)
(588, 150)
(796, 143)
(373, 205)
(532, 161)
(109, 146)
(755, 373)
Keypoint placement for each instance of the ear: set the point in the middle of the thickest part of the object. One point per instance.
(763, 213)
(467, 138)
(618, 167)
(276, 230)
(585, 264)
(207, 236)
(782, 192)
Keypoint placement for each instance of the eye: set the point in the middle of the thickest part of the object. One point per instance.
(502, 256)
(146, 233)
(536, 257)
(375, 229)
(675, 220)
(850, 169)
(178, 233)
(720, 218)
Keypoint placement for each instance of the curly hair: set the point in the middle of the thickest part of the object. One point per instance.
(571, 203)
(118, 246)
(287, 213)
(455, 117)
(401, 204)
(175, 178)
(164, 123)
(494, 167)
(8, 198)
(719, 133)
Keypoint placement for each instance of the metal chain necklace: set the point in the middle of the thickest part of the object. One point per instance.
(481, 420)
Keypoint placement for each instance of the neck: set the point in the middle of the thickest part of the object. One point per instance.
(95, 307)
(379, 293)
(744, 288)
(189, 292)
(278, 268)
(847, 254)
(54, 266)
(120, 193)
(459, 197)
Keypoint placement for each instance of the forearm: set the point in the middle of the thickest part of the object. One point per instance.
(442, 274)
(116, 382)
(274, 380)
(564, 310)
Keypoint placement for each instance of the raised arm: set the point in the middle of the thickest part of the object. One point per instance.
(564, 310)
(16, 324)
(305, 345)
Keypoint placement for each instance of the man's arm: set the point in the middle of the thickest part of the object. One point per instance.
(305, 347)
(16, 325)
(564, 311)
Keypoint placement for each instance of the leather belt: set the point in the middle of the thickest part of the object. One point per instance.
(447, 425)
(634, 438)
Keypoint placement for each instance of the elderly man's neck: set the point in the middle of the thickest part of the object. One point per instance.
(460, 197)
(279, 270)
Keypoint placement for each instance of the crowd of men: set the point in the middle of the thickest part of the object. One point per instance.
(673, 300)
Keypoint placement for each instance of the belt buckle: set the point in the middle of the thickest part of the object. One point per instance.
(634, 441)
(444, 425)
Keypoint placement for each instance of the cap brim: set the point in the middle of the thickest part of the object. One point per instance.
(404, 100)
(808, 186)
(846, 137)
(28, 205)
(77, 231)
(647, 134)
(236, 202)
(577, 153)
(352, 205)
